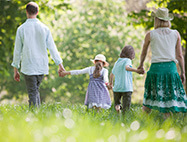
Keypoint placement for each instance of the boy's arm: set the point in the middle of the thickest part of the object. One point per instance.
(140, 71)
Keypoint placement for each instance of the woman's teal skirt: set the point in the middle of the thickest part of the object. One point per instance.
(163, 88)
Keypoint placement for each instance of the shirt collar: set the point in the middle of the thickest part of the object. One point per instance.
(31, 20)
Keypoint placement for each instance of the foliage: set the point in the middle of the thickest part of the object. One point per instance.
(177, 7)
(73, 123)
(89, 28)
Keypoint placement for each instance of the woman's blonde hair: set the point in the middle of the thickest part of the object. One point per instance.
(98, 68)
(161, 23)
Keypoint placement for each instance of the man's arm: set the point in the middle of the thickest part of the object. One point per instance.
(17, 50)
(17, 55)
(53, 49)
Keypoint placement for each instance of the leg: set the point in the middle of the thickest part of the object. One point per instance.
(32, 89)
(146, 109)
(117, 101)
(39, 80)
(167, 115)
(126, 101)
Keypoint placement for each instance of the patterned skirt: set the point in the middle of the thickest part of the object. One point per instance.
(97, 93)
(163, 89)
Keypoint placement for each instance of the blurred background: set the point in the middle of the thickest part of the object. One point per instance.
(81, 29)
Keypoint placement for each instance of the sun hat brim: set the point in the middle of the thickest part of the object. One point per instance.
(169, 18)
(105, 65)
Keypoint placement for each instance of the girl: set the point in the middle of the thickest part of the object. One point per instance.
(122, 71)
(163, 86)
(97, 95)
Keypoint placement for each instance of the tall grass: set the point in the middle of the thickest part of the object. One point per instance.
(74, 123)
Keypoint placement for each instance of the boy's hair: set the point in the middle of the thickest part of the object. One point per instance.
(127, 52)
(98, 68)
(32, 8)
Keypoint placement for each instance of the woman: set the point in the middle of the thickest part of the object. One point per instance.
(163, 86)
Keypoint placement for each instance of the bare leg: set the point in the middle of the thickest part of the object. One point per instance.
(146, 109)
(167, 115)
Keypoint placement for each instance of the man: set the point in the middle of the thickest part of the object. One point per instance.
(33, 39)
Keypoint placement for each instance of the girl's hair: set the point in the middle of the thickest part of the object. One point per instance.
(161, 23)
(98, 68)
(127, 52)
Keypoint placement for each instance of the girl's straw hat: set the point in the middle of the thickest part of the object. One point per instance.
(163, 14)
(102, 58)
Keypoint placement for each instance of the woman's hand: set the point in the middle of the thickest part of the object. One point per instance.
(183, 78)
(141, 70)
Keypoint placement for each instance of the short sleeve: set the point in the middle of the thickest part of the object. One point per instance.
(129, 62)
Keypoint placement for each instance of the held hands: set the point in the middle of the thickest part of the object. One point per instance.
(64, 73)
(141, 71)
(61, 68)
(109, 86)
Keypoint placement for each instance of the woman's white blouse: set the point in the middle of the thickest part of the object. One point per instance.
(163, 45)
(90, 70)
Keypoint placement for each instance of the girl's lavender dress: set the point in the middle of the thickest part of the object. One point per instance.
(97, 93)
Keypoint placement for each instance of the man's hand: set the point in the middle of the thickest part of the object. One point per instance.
(16, 75)
(61, 68)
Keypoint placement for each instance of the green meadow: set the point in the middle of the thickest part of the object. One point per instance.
(74, 123)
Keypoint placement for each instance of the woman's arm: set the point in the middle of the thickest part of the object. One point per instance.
(144, 50)
(180, 58)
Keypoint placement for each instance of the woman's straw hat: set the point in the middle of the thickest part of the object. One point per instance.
(163, 14)
(100, 57)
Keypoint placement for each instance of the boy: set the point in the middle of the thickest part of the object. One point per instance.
(122, 71)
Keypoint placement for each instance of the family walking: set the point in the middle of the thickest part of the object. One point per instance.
(163, 85)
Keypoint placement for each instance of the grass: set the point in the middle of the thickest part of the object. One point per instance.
(74, 123)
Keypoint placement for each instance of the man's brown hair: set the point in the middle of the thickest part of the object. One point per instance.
(32, 8)
(127, 52)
